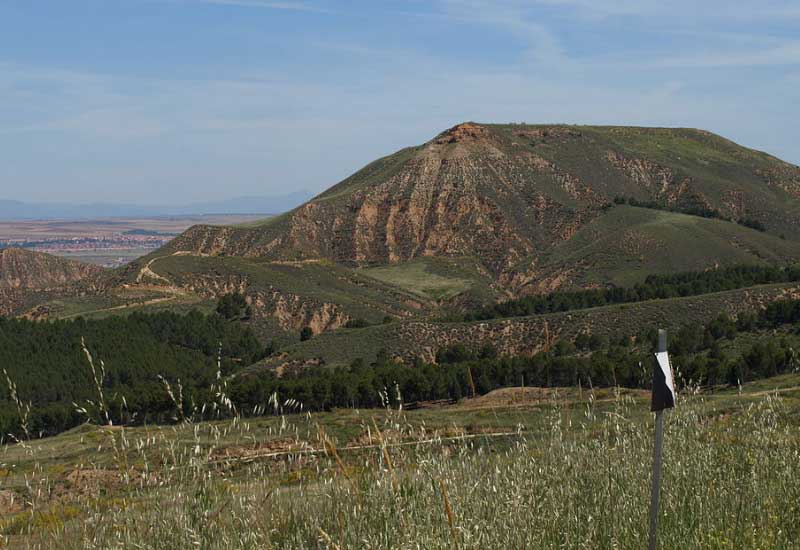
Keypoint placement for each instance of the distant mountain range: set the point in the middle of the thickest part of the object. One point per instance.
(276, 204)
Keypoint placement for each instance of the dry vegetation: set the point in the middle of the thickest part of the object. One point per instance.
(560, 469)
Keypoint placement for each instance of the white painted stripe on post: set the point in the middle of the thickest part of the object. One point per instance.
(663, 361)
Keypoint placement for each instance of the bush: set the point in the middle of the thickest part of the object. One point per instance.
(356, 323)
(233, 306)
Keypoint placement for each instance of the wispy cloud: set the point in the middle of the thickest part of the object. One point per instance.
(718, 10)
(258, 4)
(719, 56)
(540, 44)
(714, 45)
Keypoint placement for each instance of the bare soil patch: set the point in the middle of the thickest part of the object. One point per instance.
(10, 503)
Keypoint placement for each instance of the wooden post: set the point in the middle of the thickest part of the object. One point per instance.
(655, 488)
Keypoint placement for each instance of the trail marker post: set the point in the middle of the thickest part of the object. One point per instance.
(663, 398)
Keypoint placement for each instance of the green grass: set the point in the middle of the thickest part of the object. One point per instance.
(715, 166)
(573, 470)
(422, 278)
(627, 243)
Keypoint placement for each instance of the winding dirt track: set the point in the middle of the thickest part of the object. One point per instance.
(146, 271)
(174, 294)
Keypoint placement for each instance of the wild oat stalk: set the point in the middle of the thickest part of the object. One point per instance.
(98, 378)
(23, 410)
(385, 451)
(330, 448)
(451, 520)
(176, 400)
(327, 538)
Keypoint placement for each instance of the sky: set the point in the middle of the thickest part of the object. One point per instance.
(174, 101)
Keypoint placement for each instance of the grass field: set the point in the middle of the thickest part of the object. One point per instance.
(104, 256)
(419, 280)
(434, 278)
(546, 468)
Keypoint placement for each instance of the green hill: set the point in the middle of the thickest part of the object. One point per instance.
(625, 244)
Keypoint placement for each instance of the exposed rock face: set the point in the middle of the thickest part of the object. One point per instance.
(24, 269)
(467, 131)
(295, 312)
(651, 176)
(783, 176)
(291, 311)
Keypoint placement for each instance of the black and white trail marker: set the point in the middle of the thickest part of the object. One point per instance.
(663, 398)
(663, 383)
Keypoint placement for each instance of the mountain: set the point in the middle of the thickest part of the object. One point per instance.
(541, 207)
(29, 270)
(16, 210)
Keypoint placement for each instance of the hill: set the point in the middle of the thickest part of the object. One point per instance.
(536, 207)
(26, 269)
(29, 280)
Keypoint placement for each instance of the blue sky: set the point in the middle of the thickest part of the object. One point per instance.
(172, 101)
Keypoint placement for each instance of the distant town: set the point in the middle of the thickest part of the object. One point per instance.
(129, 246)
(109, 242)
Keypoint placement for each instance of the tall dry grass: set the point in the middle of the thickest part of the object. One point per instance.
(730, 481)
